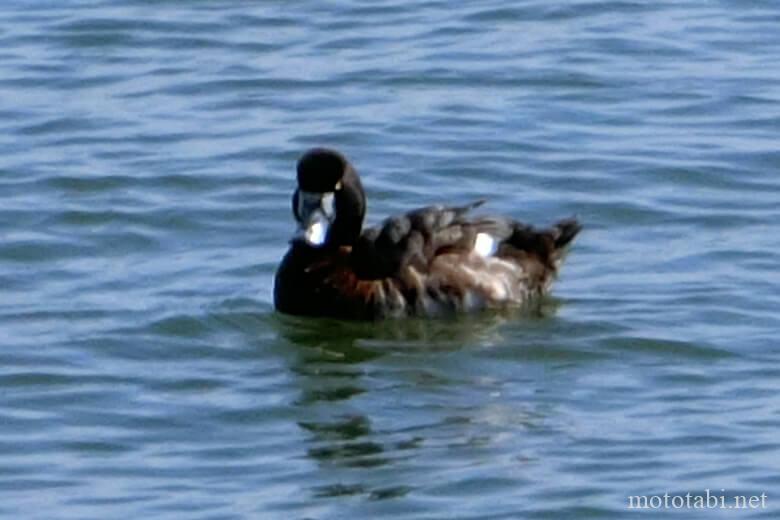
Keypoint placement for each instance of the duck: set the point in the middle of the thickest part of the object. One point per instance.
(435, 261)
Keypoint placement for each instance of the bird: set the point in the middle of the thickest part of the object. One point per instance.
(435, 261)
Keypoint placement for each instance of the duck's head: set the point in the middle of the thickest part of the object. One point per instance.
(329, 203)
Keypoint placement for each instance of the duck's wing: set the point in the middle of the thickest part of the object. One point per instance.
(413, 238)
(441, 259)
(418, 237)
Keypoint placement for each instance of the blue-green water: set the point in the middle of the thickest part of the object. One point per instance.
(146, 162)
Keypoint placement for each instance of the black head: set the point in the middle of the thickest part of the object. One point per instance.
(329, 203)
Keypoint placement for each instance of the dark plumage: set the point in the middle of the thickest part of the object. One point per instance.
(431, 261)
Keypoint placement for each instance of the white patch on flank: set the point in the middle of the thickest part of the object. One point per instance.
(485, 245)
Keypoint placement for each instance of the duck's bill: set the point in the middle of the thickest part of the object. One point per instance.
(315, 230)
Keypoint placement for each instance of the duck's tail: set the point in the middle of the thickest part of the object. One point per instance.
(564, 232)
(549, 246)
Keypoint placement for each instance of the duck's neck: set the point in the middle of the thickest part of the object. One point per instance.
(344, 233)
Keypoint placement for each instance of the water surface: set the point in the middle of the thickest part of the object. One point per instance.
(147, 152)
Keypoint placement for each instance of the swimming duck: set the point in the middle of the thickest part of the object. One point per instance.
(432, 261)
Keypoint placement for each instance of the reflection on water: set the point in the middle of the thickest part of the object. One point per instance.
(353, 376)
(351, 341)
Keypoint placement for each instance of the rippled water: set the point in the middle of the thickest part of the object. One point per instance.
(146, 163)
